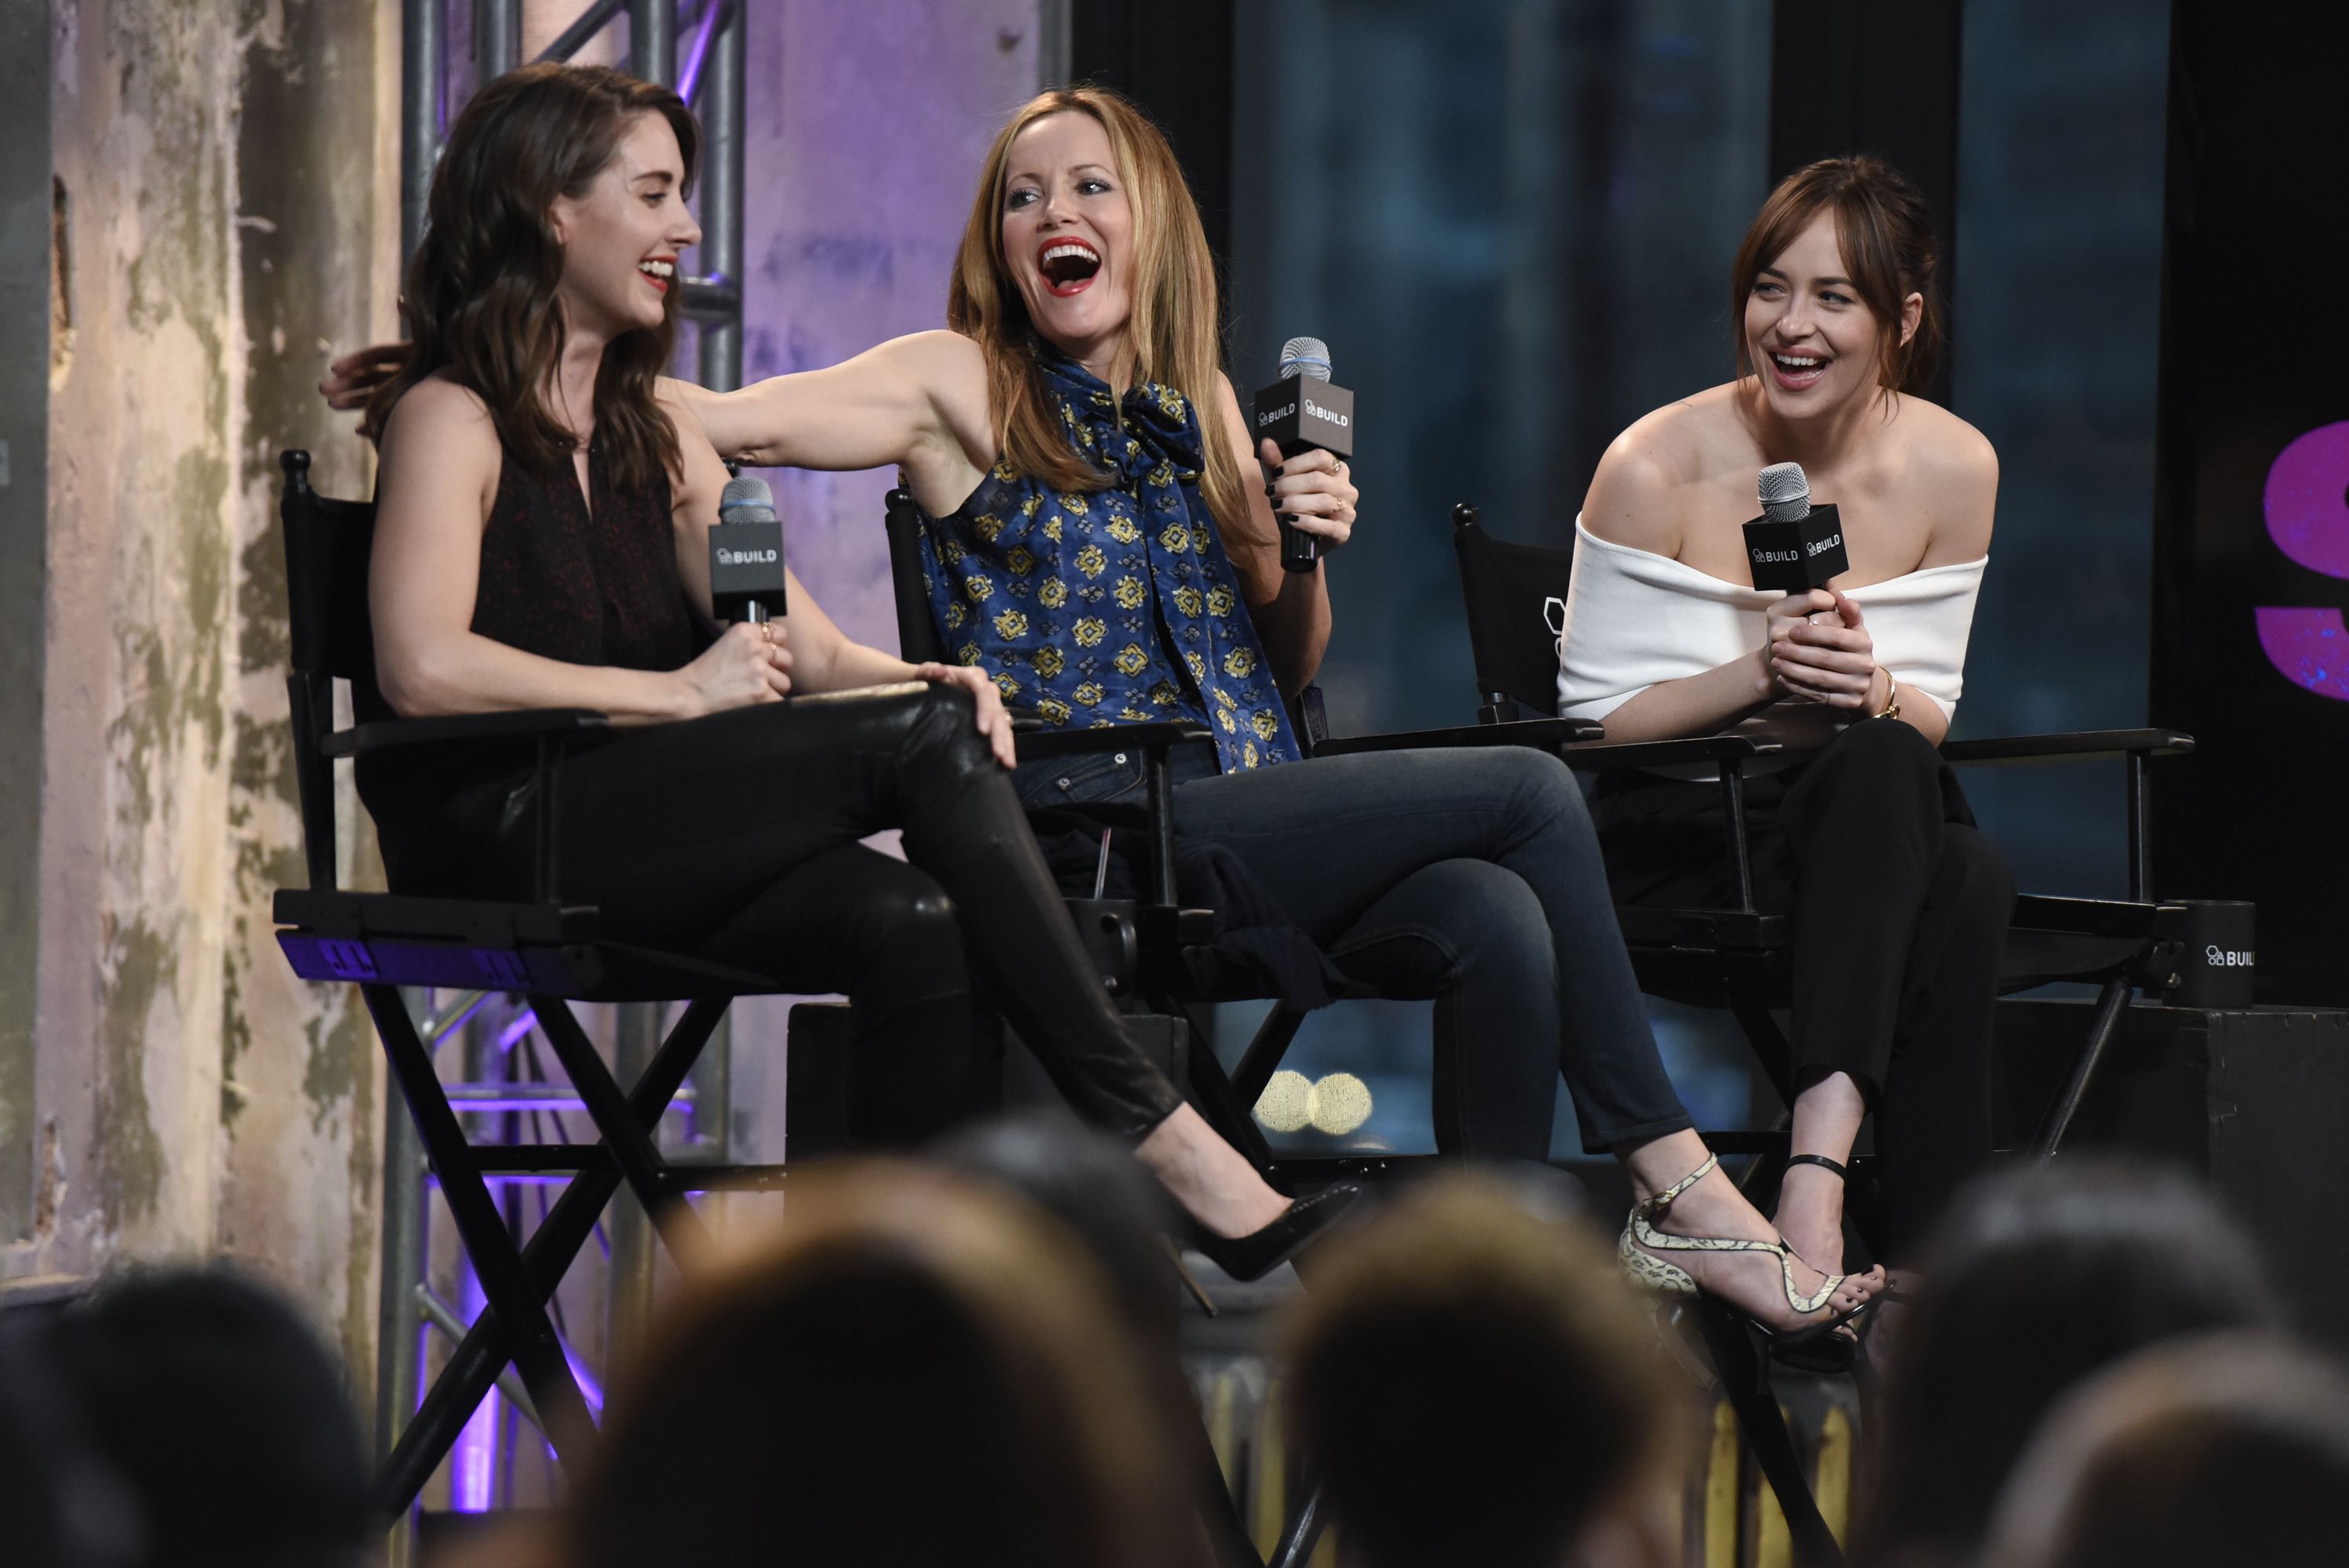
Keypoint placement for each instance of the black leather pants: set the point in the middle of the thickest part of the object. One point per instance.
(735, 837)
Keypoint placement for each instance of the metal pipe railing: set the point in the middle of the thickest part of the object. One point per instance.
(720, 348)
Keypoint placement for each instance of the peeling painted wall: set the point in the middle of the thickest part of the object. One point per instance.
(228, 180)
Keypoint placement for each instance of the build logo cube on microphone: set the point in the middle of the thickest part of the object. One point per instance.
(1794, 547)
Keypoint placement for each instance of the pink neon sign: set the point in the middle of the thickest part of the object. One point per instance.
(2307, 506)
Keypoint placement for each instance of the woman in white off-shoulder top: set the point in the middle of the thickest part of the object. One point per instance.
(1900, 906)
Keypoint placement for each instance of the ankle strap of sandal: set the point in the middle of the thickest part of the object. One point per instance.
(1656, 1207)
(1821, 1160)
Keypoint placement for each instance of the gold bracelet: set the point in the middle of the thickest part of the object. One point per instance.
(1891, 697)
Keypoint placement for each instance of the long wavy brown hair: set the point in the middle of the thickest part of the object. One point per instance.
(1173, 327)
(479, 295)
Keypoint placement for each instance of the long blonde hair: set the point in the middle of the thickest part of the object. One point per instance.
(1172, 328)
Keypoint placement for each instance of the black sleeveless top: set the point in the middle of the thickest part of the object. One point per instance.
(559, 578)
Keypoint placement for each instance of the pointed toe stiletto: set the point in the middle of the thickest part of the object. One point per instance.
(1263, 1249)
(1641, 1242)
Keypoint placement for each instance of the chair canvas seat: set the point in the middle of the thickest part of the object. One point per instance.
(547, 949)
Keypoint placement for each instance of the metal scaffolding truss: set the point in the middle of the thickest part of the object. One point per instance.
(707, 74)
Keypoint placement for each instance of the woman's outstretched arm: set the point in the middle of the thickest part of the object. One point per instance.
(917, 402)
(820, 656)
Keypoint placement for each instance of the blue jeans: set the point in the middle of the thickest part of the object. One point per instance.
(1469, 876)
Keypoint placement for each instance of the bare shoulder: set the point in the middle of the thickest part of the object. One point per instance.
(683, 402)
(700, 474)
(1939, 441)
(1956, 470)
(1635, 492)
(437, 435)
(438, 408)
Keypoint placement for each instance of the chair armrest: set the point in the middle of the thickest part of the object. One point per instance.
(1603, 756)
(516, 723)
(1544, 734)
(1109, 737)
(2074, 746)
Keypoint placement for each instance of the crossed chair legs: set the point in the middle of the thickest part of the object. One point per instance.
(517, 1281)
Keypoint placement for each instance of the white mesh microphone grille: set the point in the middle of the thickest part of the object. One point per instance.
(745, 499)
(1305, 356)
(1785, 492)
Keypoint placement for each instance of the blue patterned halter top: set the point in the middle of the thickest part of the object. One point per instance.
(1112, 607)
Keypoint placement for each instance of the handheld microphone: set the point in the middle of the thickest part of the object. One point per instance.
(1303, 410)
(1794, 547)
(746, 554)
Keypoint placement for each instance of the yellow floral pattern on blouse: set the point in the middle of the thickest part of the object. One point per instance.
(1114, 605)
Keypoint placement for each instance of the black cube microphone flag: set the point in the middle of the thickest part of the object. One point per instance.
(746, 554)
(1794, 547)
(1302, 410)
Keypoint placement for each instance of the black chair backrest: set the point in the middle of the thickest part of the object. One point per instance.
(327, 547)
(1511, 634)
(917, 634)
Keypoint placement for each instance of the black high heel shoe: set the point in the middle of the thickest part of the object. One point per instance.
(1265, 1249)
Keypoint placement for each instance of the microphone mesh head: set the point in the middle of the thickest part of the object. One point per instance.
(1305, 356)
(1785, 492)
(746, 492)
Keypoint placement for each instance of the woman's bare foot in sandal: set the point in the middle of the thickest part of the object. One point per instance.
(1762, 1278)
(1828, 1112)
(1810, 1212)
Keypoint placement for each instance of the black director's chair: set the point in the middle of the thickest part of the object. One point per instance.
(551, 950)
(1151, 957)
(1738, 957)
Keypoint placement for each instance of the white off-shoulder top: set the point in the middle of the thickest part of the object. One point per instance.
(1633, 618)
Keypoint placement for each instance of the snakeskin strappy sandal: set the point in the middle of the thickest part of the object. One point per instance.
(1641, 1241)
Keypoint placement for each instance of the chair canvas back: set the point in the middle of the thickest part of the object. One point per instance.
(327, 547)
(1516, 596)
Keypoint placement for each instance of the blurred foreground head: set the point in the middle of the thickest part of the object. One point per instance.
(1473, 1383)
(2037, 1279)
(907, 1369)
(224, 1416)
(2226, 1449)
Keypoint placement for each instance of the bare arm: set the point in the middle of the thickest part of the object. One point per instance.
(440, 461)
(1833, 662)
(1629, 503)
(817, 654)
(918, 402)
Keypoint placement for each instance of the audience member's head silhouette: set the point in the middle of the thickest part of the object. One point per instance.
(224, 1416)
(2037, 1279)
(1473, 1383)
(2227, 1448)
(909, 1369)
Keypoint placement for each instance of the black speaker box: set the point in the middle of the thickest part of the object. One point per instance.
(2251, 1100)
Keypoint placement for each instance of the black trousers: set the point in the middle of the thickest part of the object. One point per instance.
(1901, 908)
(735, 838)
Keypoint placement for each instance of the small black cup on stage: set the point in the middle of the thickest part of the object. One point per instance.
(2221, 955)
